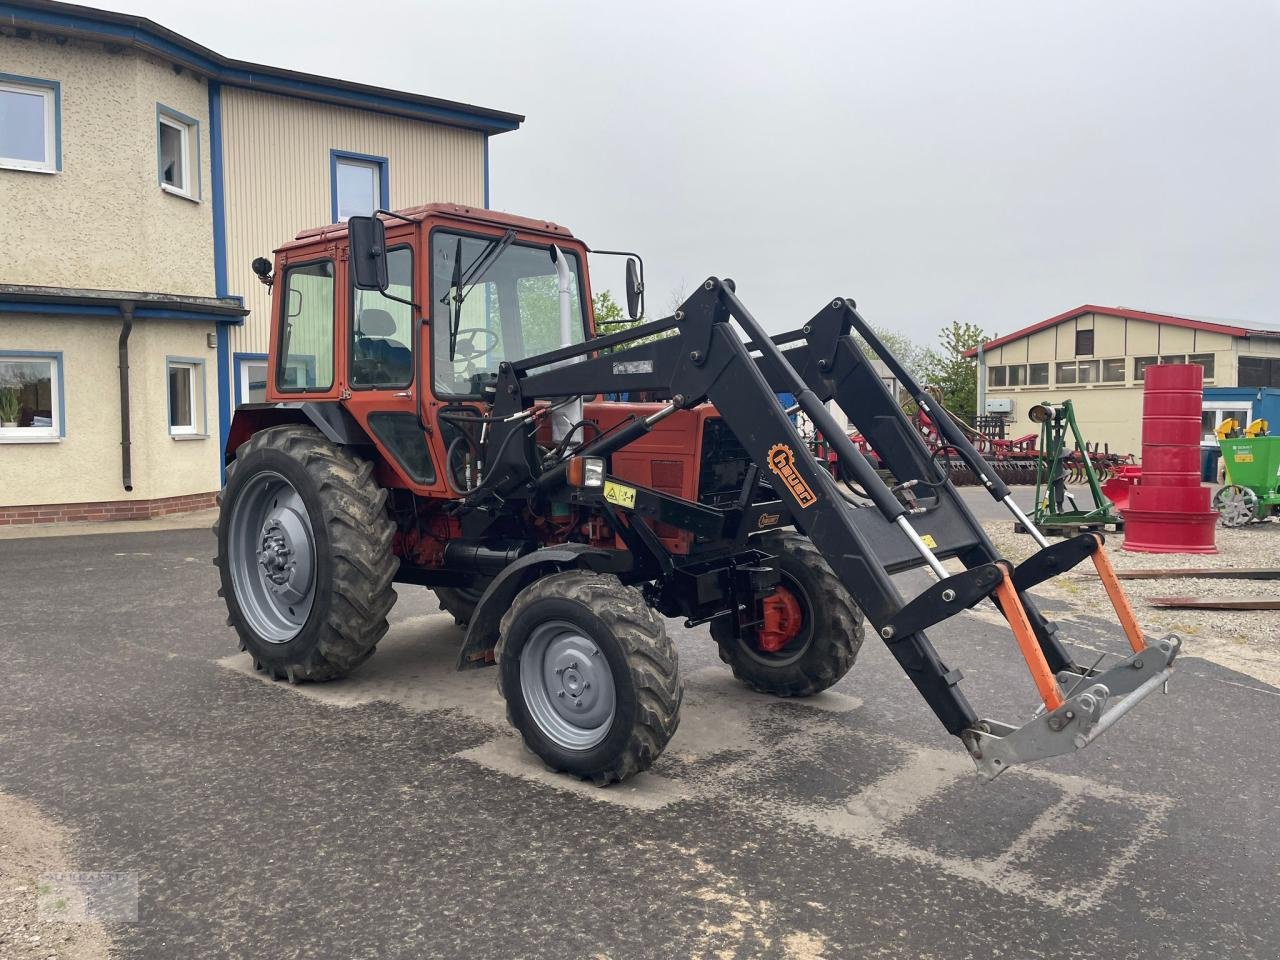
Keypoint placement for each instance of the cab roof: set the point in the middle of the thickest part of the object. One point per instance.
(453, 211)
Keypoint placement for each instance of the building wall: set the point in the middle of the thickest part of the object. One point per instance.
(1108, 413)
(102, 221)
(276, 163)
(85, 465)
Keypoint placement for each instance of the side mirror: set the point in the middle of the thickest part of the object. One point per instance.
(635, 289)
(367, 239)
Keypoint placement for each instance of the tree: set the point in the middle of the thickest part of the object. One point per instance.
(951, 372)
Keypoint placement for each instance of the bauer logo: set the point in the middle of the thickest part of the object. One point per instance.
(782, 461)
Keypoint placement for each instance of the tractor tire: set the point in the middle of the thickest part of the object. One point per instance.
(304, 554)
(825, 641)
(460, 601)
(591, 680)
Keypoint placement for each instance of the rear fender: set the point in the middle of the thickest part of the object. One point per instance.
(329, 417)
(482, 632)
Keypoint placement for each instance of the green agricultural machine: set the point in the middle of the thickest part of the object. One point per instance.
(1253, 479)
(1055, 462)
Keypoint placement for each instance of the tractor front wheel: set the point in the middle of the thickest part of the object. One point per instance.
(590, 677)
(811, 630)
(304, 554)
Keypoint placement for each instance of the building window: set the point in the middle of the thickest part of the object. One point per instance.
(251, 378)
(1173, 358)
(30, 117)
(1018, 375)
(1113, 370)
(1087, 371)
(996, 377)
(1215, 415)
(1084, 343)
(178, 152)
(1204, 360)
(1140, 365)
(30, 396)
(306, 337)
(358, 184)
(1065, 373)
(186, 397)
(1258, 372)
(1039, 375)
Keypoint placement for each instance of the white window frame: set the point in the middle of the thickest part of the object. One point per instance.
(196, 396)
(379, 166)
(1221, 407)
(55, 432)
(243, 362)
(189, 129)
(51, 92)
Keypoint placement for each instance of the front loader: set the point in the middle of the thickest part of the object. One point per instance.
(570, 527)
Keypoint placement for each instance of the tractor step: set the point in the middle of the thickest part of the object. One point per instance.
(1083, 716)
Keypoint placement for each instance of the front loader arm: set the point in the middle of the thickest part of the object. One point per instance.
(703, 359)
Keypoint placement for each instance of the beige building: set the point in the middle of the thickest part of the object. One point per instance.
(1097, 357)
(140, 173)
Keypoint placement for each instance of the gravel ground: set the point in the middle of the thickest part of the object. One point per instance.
(1257, 545)
(32, 848)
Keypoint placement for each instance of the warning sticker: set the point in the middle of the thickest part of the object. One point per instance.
(929, 542)
(1244, 456)
(782, 461)
(616, 493)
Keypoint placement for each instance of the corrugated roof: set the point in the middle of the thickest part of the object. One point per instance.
(1212, 326)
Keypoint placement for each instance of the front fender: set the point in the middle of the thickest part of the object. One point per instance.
(482, 631)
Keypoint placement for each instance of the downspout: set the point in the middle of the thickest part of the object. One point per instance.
(126, 444)
(982, 382)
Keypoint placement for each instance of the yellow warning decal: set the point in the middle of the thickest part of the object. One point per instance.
(782, 461)
(620, 495)
(929, 542)
(1244, 456)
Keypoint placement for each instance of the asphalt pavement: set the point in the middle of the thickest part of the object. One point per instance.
(393, 814)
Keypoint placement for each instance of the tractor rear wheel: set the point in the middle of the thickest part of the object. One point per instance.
(304, 554)
(811, 632)
(590, 677)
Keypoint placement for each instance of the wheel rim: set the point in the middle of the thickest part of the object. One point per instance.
(1238, 505)
(799, 643)
(567, 685)
(272, 554)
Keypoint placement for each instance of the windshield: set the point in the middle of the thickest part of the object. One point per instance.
(511, 312)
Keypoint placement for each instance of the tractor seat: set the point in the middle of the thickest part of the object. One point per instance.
(381, 359)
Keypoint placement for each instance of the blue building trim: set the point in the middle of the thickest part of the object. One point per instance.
(56, 356)
(56, 87)
(192, 124)
(110, 310)
(137, 32)
(486, 172)
(217, 191)
(384, 178)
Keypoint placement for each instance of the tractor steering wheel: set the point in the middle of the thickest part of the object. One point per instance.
(468, 350)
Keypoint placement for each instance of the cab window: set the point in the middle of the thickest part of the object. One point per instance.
(306, 332)
(382, 328)
(510, 311)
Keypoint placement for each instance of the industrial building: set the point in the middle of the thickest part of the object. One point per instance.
(1097, 357)
(140, 173)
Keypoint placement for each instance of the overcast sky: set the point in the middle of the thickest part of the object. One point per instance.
(997, 162)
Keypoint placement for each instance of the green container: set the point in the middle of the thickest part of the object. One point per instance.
(1253, 462)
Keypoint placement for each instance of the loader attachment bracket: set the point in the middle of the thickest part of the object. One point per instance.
(1080, 719)
(1054, 560)
(943, 600)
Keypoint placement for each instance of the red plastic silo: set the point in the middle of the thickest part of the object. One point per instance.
(1168, 511)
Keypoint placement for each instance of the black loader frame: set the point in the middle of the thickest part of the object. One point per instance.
(918, 521)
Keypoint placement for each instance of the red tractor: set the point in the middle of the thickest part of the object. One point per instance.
(443, 412)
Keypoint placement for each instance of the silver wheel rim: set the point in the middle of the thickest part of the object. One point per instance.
(1238, 505)
(272, 555)
(567, 685)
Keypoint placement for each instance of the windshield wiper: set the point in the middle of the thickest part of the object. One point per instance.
(461, 286)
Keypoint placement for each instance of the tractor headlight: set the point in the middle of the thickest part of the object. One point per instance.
(586, 472)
